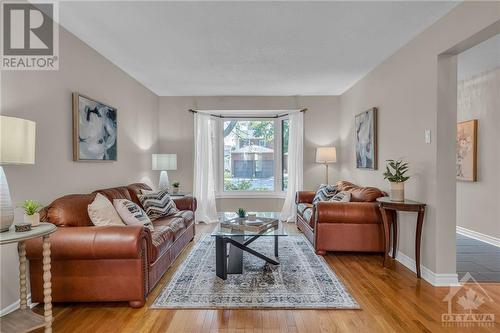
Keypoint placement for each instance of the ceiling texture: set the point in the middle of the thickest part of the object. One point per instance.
(248, 48)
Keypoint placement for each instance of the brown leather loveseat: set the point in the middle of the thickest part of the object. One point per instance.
(111, 263)
(342, 226)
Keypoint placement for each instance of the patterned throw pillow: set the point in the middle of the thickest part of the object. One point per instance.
(132, 214)
(324, 193)
(102, 212)
(342, 196)
(157, 204)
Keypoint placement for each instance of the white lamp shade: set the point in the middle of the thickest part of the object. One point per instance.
(326, 155)
(17, 140)
(164, 162)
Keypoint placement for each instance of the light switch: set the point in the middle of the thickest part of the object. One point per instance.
(427, 136)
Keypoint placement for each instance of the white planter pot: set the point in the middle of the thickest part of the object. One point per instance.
(397, 191)
(175, 190)
(34, 219)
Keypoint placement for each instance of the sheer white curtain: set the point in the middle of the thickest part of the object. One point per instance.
(295, 165)
(204, 167)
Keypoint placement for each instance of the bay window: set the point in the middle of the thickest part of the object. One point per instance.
(252, 158)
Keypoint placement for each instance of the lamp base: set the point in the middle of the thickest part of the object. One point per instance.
(164, 183)
(6, 209)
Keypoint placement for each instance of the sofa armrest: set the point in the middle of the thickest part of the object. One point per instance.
(304, 197)
(185, 203)
(110, 242)
(348, 212)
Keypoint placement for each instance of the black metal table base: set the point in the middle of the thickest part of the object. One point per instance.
(232, 263)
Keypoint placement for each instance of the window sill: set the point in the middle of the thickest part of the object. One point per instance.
(251, 195)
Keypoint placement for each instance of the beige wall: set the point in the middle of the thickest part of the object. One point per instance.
(45, 97)
(320, 129)
(477, 202)
(405, 89)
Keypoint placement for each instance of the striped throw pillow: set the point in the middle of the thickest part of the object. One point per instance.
(157, 204)
(324, 193)
(132, 214)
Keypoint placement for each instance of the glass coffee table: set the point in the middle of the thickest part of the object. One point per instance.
(230, 243)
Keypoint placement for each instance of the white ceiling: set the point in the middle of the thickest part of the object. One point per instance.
(481, 58)
(248, 48)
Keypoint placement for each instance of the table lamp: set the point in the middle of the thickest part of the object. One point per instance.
(17, 146)
(164, 163)
(326, 155)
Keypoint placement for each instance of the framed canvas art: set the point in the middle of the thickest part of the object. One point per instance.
(467, 151)
(94, 130)
(366, 139)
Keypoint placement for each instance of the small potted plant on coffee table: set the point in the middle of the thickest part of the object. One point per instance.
(175, 187)
(31, 212)
(241, 213)
(395, 171)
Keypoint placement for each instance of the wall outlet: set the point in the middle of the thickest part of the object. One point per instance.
(427, 136)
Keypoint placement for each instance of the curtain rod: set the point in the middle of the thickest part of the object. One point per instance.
(245, 117)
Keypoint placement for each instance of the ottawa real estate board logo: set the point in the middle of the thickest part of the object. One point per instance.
(467, 303)
(30, 36)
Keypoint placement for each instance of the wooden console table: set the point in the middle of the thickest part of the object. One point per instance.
(389, 210)
(23, 319)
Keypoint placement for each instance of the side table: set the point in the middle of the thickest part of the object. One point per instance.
(389, 210)
(23, 319)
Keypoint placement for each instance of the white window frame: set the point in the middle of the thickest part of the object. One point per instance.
(278, 161)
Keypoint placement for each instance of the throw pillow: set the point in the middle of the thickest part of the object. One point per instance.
(157, 204)
(132, 214)
(324, 193)
(342, 196)
(102, 212)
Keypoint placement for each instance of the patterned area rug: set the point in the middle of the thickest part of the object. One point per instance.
(303, 280)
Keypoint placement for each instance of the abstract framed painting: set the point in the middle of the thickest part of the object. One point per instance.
(467, 151)
(366, 139)
(95, 130)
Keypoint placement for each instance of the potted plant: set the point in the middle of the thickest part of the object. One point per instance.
(395, 171)
(175, 187)
(241, 213)
(31, 212)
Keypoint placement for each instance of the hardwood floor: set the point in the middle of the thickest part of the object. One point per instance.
(391, 300)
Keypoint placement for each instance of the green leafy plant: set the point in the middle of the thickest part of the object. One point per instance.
(31, 207)
(176, 184)
(395, 171)
(241, 212)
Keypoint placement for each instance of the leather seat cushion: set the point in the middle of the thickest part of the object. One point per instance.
(167, 229)
(305, 210)
(360, 194)
(303, 206)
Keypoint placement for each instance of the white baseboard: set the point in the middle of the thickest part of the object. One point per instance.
(14, 306)
(437, 280)
(479, 236)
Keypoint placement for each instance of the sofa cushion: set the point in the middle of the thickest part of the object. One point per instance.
(162, 239)
(365, 194)
(303, 206)
(305, 210)
(342, 196)
(360, 194)
(69, 211)
(131, 213)
(166, 230)
(103, 213)
(324, 193)
(135, 189)
(157, 204)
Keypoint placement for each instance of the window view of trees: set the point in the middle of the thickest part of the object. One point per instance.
(249, 155)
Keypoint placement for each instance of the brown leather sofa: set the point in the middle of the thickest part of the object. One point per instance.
(112, 263)
(342, 226)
